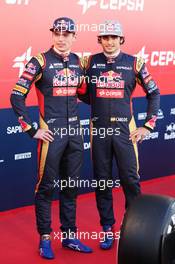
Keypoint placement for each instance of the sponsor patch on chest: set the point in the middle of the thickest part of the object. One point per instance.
(65, 91)
(109, 93)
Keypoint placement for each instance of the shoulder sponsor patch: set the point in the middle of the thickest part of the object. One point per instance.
(85, 61)
(139, 63)
(40, 58)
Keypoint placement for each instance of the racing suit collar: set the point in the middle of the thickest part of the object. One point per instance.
(63, 55)
(113, 55)
(112, 58)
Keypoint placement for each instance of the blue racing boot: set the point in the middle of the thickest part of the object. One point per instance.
(75, 244)
(45, 249)
(108, 238)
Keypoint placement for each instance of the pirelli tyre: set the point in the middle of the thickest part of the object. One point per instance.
(148, 231)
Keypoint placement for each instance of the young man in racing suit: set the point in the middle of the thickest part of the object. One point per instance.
(111, 80)
(57, 76)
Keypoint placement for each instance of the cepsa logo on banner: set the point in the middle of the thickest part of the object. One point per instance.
(158, 58)
(129, 5)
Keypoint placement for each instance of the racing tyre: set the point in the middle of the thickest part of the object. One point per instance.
(148, 231)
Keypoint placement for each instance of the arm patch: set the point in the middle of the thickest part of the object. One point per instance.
(139, 63)
(41, 59)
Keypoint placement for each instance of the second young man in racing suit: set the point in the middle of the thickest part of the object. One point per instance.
(111, 80)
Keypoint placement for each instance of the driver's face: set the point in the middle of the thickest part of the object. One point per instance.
(110, 44)
(63, 40)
